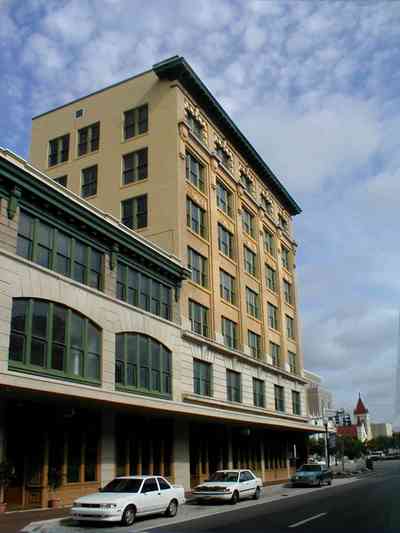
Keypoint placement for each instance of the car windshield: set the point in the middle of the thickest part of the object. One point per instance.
(310, 468)
(230, 477)
(123, 485)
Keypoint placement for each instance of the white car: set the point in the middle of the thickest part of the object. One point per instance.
(124, 498)
(232, 485)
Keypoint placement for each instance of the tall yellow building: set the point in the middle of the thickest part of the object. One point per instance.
(160, 154)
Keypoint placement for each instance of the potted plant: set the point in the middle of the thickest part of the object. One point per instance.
(54, 481)
(6, 475)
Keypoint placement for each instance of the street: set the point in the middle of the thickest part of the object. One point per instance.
(369, 504)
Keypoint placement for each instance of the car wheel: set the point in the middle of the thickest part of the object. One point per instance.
(129, 516)
(257, 494)
(172, 508)
(319, 484)
(235, 498)
(330, 481)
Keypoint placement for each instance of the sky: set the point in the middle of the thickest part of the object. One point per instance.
(313, 85)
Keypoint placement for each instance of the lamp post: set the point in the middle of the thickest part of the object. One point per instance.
(327, 458)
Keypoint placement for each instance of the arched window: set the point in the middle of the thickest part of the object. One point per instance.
(142, 364)
(51, 338)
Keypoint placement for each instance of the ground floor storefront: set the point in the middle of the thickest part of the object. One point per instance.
(61, 448)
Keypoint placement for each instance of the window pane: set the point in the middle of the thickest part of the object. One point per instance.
(38, 352)
(57, 357)
(93, 366)
(59, 322)
(76, 362)
(17, 347)
(39, 319)
(93, 335)
(77, 325)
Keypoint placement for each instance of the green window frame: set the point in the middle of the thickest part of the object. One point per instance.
(143, 291)
(269, 242)
(134, 212)
(285, 258)
(254, 342)
(227, 287)
(58, 150)
(274, 351)
(258, 392)
(135, 166)
(195, 171)
(250, 261)
(57, 250)
(202, 378)
(225, 241)
(143, 364)
(88, 139)
(196, 218)
(270, 275)
(233, 386)
(296, 402)
(290, 327)
(279, 394)
(62, 180)
(195, 125)
(248, 222)
(292, 357)
(199, 318)
(273, 316)
(52, 339)
(136, 121)
(229, 332)
(252, 303)
(198, 265)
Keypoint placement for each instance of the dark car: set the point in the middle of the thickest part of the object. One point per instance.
(312, 475)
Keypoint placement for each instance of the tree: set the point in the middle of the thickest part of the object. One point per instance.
(350, 447)
(316, 447)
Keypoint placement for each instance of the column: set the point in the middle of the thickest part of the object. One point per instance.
(262, 461)
(107, 454)
(45, 471)
(2, 441)
(230, 451)
(181, 457)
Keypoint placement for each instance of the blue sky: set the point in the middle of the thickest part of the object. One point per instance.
(314, 85)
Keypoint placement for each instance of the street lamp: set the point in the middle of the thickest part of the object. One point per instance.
(327, 458)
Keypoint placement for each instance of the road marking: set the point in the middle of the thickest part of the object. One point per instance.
(297, 524)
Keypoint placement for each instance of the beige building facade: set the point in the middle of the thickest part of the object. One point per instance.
(109, 387)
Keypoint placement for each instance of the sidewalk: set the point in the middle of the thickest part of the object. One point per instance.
(49, 522)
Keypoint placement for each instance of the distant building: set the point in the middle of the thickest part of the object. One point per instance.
(360, 428)
(382, 430)
(319, 399)
(342, 418)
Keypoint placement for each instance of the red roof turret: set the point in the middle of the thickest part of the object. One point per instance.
(360, 407)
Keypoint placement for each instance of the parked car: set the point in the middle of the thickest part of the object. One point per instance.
(229, 485)
(312, 475)
(124, 498)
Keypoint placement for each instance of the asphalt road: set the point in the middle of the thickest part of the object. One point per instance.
(371, 505)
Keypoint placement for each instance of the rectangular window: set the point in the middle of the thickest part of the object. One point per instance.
(194, 171)
(223, 156)
(229, 332)
(252, 303)
(258, 392)
(88, 139)
(144, 292)
(227, 287)
(136, 121)
(247, 183)
(225, 241)
(254, 342)
(58, 150)
(134, 212)
(195, 125)
(248, 222)
(285, 258)
(195, 218)
(273, 316)
(269, 242)
(58, 251)
(267, 205)
(270, 274)
(292, 362)
(274, 351)
(289, 327)
(198, 266)
(89, 181)
(62, 180)
(202, 378)
(287, 292)
(233, 386)
(198, 316)
(296, 404)
(224, 198)
(135, 166)
(250, 263)
(279, 398)
(283, 223)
